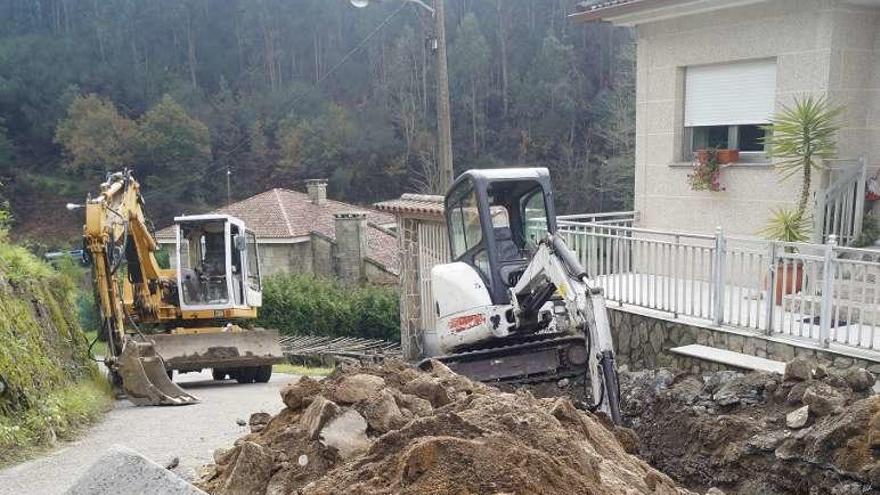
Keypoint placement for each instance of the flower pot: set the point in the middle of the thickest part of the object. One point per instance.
(702, 156)
(727, 156)
(789, 279)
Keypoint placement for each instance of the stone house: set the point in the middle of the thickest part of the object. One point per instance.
(308, 233)
(711, 72)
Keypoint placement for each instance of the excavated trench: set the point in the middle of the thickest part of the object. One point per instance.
(815, 431)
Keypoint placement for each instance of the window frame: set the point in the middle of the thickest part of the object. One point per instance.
(732, 143)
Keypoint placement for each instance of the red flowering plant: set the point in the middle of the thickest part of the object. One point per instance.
(706, 174)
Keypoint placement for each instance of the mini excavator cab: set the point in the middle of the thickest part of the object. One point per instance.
(496, 219)
(218, 265)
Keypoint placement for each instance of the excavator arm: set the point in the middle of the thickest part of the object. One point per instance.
(554, 269)
(121, 250)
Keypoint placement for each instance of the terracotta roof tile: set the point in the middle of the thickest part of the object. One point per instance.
(420, 204)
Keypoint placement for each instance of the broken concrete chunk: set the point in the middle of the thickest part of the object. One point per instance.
(251, 472)
(428, 388)
(799, 369)
(357, 387)
(258, 421)
(316, 416)
(798, 418)
(347, 433)
(382, 413)
(859, 379)
(823, 399)
(297, 395)
(122, 470)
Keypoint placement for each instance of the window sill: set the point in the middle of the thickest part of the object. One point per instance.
(757, 164)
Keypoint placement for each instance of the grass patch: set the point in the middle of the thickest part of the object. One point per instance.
(60, 415)
(296, 369)
(100, 348)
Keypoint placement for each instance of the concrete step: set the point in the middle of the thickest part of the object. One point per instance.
(730, 358)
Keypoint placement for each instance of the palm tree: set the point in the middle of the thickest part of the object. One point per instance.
(801, 137)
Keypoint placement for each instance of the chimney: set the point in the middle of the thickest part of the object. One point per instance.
(317, 189)
(351, 245)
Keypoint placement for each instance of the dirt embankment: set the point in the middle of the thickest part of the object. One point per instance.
(813, 431)
(395, 430)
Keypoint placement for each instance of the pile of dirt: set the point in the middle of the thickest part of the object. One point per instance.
(391, 429)
(816, 430)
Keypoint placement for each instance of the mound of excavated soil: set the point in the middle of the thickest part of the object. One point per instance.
(815, 431)
(395, 430)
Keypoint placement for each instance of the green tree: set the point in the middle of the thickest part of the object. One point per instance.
(172, 154)
(95, 137)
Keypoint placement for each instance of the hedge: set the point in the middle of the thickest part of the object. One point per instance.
(307, 305)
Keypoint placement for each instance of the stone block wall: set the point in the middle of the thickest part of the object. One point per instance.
(644, 342)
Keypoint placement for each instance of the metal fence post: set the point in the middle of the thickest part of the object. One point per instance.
(718, 283)
(826, 308)
(770, 297)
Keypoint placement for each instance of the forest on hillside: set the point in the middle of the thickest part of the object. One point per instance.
(278, 91)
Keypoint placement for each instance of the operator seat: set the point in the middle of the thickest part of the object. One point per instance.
(510, 259)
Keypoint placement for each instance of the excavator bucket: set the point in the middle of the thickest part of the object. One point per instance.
(145, 380)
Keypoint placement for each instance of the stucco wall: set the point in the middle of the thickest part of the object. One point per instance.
(821, 47)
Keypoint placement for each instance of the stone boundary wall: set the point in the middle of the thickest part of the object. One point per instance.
(643, 342)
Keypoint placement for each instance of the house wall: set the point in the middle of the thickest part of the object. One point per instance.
(822, 47)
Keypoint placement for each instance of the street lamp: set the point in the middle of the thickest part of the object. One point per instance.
(444, 125)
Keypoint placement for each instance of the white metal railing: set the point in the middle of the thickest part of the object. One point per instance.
(823, 293)
(619, 218)
(840, 207)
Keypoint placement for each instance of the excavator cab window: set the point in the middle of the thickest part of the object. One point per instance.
(203, 263)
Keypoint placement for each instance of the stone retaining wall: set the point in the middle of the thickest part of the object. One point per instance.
(643, 342)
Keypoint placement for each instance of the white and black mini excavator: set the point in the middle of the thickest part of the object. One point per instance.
(515, 305)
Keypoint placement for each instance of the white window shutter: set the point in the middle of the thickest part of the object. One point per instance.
(730, 94)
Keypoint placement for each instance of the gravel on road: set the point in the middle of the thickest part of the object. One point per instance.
(190, 433)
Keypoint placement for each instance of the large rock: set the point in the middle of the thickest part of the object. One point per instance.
(428, 388)
(297, 395)
(798, 418)
(415, 406)
(258, 421)
(122, 470)
(358, 387)
(316, 416)
(382, 413)
(823, 399)
(252, 470)
(347, 433)
(859, 379)
(799, 369)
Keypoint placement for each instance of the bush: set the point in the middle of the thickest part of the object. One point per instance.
(306, 305)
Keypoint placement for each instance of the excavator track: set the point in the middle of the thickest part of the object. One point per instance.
(533, 359)
(144, 379)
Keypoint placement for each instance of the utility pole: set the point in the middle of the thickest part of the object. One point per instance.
(444, 121)
(444, 124)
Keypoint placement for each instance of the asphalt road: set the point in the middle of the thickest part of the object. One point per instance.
(191, 433)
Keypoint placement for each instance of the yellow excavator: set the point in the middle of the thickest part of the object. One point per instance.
(188, 318)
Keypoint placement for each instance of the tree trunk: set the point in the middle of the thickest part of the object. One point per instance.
(474, 113)
(191, 51)
(502, 37)
(805, 189)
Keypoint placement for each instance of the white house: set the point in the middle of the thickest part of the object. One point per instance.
(711, 72)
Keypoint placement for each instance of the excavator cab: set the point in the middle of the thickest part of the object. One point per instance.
(496, 218)
(218, 265)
